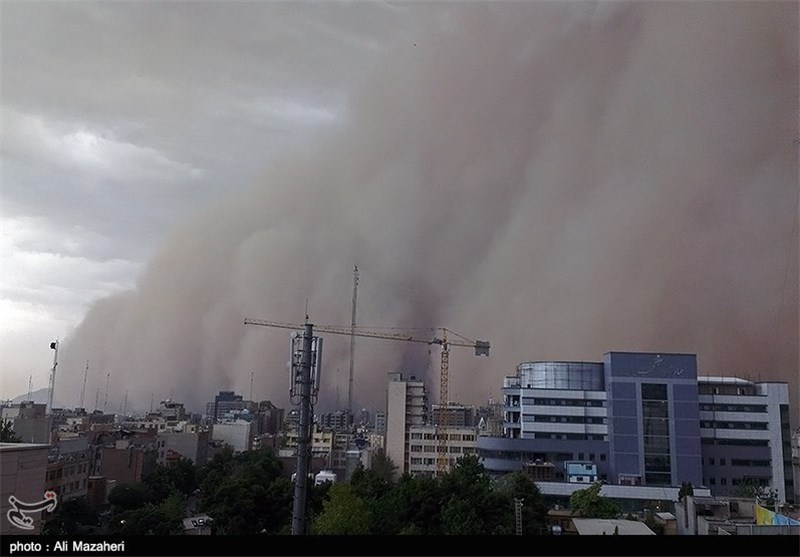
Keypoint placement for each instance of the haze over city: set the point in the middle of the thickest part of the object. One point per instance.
(561, 179)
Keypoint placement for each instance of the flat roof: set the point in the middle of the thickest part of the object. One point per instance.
(8, 447)
(608, 526)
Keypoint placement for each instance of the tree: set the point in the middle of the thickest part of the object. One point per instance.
(686, 489)
(245, 493)
(588, 503)
(751, 488)
(130, 496)
(519, 485)
(179, 477)
(344, 513)
(161, 519)
(7, 433)
(72, 518)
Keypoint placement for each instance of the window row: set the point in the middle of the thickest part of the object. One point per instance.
(734, 425)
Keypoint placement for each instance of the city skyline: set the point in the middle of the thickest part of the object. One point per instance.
(584, 177)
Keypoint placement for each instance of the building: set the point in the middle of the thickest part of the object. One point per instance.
(30, 421)
(380, 422)
(97, 490)
(225, 402)
(709, 516)
(424, 444)
(745, 435)
(341, 420)
(269, 417)
(23, 468)
(322, 443)
(457, 415)
(68, 469)
(172, 411)
(610, 527)
(237, 434)
(192, 446)
(406, 406)
(128, 460)
(643, 419)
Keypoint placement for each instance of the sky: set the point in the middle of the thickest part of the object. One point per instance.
(561, 179)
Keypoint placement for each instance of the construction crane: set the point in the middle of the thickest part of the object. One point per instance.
(440, 337)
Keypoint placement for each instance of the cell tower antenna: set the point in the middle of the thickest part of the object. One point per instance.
(252, 376)
(30, 387)
(105, 399)
(151, 402)
(352, 342)
(83, 390)
(125, 403)
(97, 399)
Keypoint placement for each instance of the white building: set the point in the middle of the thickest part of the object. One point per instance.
(236, 434)
(745, 434)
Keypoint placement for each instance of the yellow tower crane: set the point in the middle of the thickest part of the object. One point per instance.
(439, 336)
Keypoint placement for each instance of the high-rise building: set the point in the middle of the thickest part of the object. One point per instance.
(406, 405)
(227, 401)
(644, 419)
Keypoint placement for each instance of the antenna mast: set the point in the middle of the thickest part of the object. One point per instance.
(352, 343)
(105, 400)
(83, 390)
(54, 347)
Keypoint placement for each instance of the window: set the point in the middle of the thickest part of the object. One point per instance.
(416, 448)
(711, 460)
(712, 481)
(416, 435)
(723, 481)
(602, 457)
(722, 462)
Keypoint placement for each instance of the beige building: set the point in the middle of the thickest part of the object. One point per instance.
(322, 442)
(406, 406)
(424, 447)
(23, 468)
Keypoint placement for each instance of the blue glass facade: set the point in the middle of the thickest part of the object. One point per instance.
(635, 416)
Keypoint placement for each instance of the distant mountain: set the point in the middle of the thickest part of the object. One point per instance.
(38, 396)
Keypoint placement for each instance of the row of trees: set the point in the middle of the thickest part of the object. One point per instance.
(247, 494)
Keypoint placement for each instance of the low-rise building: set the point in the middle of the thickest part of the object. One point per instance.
(425, 444)
(23, 469)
